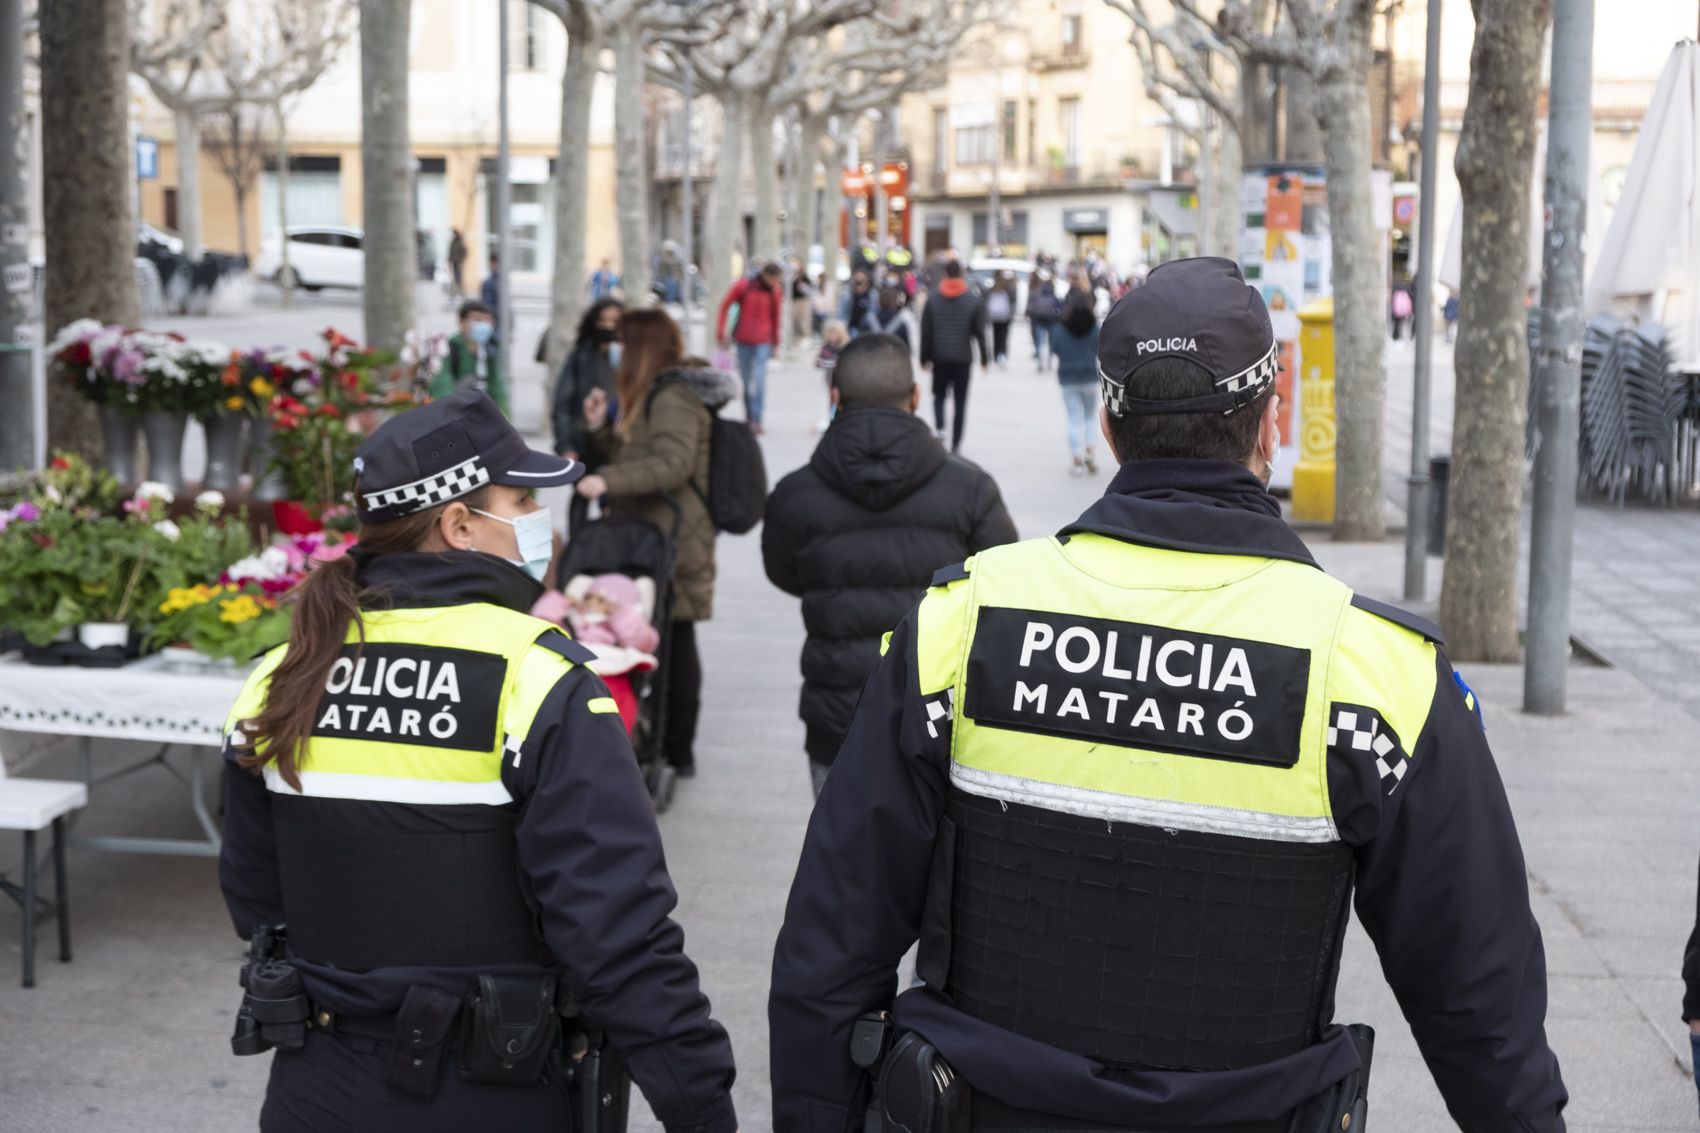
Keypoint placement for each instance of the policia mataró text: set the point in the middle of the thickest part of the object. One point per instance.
(1121, 784)
(438, 799)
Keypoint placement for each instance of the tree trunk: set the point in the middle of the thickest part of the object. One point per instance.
(188, 127)
(241, 192)
(386, 166)
(1304, 130)
(1360, 513)
(1496, 149)
(1225, 208)
(765, 245)
(725, 218)
(572, 179)
(807, 212)
(632, 196)
(1256, 108)
(284, 271)
(88, 216)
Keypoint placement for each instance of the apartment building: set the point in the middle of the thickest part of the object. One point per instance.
(454, 48)
(1042, 139)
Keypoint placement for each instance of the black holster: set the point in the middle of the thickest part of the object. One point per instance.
(1345, 1108)
(422, 1028)
(917, 1091)
(274, 1006)
(509, 1028)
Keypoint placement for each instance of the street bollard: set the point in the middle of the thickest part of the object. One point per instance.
(1440, 477)
(1313, 476)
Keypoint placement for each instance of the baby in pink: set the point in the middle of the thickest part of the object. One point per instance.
(610, 612)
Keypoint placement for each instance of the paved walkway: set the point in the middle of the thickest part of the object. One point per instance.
(132, 1037)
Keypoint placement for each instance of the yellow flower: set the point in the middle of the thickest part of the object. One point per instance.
(241, 608)
(233, 403)
(262, 388)
(181, 598)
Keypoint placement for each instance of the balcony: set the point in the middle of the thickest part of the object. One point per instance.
(1066, 58)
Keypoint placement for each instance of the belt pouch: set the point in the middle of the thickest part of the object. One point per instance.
(421, 1036)
(1343, 1107)
(278, 1002)
(508, 1030)
(918, 1092)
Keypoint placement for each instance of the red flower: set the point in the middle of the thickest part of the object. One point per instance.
(78, 354)
(329, 411)
(349, 380)
(42, 541)
(335, 338)
(59, 464)
(283, 422)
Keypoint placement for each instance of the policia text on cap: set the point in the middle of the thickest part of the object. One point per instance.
(1121, 784)
(439, 799)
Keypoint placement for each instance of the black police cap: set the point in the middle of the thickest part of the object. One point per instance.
(1201, 310)
(442, 451)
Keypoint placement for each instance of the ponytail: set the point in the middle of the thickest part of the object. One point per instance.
(326, 602)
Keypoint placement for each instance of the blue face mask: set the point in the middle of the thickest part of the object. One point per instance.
(534, 535)
(614, 355)
(481, 332)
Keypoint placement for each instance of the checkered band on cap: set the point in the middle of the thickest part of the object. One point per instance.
(449, 484)
(1235, 391)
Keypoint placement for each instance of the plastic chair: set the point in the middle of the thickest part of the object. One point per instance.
(33, 805)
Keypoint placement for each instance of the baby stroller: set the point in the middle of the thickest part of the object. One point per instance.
(637, 548)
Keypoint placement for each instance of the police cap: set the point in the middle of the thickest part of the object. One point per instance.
(1201, 310)
(444, 450)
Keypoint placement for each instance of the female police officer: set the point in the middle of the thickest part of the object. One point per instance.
(440, 801)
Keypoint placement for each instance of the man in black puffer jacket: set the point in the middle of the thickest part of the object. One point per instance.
(859, 531)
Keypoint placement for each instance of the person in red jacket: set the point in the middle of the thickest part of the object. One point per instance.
(761, 302)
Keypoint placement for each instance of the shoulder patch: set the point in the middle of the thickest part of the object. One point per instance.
(944, 576)
(555, 641)
(1400, 617)
(1471, 700)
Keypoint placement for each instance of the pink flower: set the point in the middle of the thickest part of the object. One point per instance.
(127, 367)
(27, 512)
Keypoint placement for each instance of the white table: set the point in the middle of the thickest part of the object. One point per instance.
(150, 701)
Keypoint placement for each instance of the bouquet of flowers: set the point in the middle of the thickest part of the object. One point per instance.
(252, 380)
(318, 431)
(229, 620)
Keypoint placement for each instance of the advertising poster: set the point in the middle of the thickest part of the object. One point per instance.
(1278, 254)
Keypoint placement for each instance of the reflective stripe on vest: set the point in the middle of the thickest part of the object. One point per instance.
(415, 715)
(1129, 683)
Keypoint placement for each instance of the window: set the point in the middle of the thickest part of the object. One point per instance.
(1009, 130)
(1071, 34)
(976, 131)
(533, 48)
(1070, 108)
(323, 239)
(941, 139)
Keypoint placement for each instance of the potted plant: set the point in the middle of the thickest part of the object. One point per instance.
(315, 434)
(220, 625)
(124, 562)
(265, 375)
(42, 551)
(81, 355)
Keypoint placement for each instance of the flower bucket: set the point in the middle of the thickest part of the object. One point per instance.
(99, 635)
(292, 518)
(118, 443)
(224, 450)
(164, 430)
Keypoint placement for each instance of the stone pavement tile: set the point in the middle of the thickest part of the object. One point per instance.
(166, 1060)
(1620, 1073)
(35, 1107)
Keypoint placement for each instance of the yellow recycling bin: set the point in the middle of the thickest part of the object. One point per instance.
(1313, 476)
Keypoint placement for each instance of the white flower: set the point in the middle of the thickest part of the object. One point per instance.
(168, 529)
(210, 500)
(154, 490)
(53, 494)
(74, 331)
(272, 563)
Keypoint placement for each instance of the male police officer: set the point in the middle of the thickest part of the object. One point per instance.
(1120, 784)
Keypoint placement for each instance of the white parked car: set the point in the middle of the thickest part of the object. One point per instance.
(319, 256)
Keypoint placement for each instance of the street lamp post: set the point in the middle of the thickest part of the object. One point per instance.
(687, 221)
(504, 195)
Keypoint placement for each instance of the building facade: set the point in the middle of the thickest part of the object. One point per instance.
(1042, 139)
(452, 110)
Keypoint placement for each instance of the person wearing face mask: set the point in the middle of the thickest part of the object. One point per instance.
(473, 361)
(1121, 784)
(592, 364)
(433, 793)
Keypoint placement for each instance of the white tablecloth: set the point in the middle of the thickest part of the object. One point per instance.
(145, 700)
(152, 701)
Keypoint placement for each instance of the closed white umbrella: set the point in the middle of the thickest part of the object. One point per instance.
(1648, 266)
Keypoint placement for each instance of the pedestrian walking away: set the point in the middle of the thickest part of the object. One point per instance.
(802, 305)
(591, 364)
(654, 464)
(858, 531)
(473, 361)
(457, 261)
(760, 302)
(953, 323)
(1043, 310)
(1075, 345)
(888, 316)
(1120, 785)
(1000, 310)
(420, 781)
